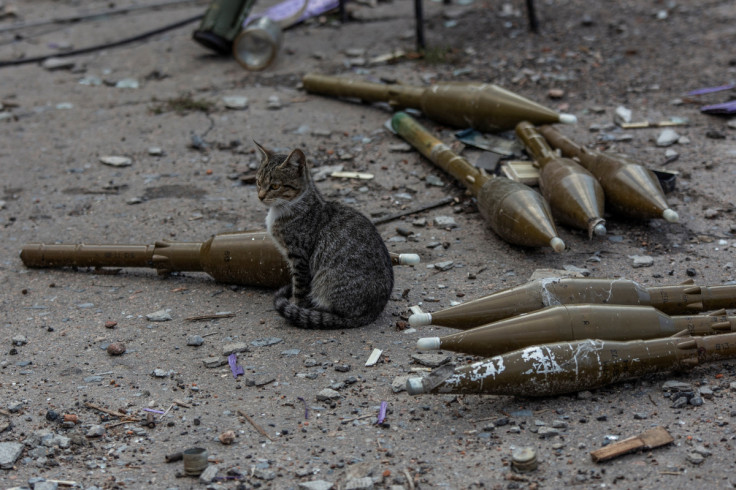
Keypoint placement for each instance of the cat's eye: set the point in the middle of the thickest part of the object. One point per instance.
(275, 187)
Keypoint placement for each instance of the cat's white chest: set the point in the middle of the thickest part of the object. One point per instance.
(271, 217)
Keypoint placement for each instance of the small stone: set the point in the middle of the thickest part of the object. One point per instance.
(316, 485)
(110, 324)
(696, 401)
(159, 316)
(127, 83)
(96, 431)
(667, 137)
(641, 261)
(732, 123)
(695, 458)
(234, 348)
(400, 148)
(399, 383)
(445, 265)
(19, 340)
(364, 483)
(14, 406)
(444, 222)
(116, 161)
(58, 64)
(715, 134)
(235, 102)
(214, 362)
(671, 155)
(622, 115)
(290, 352)
(711, 213)
(116, 348)
(195, 340)
(640, 416)
(46, 485)
(266, 341)
(680, 402)
(545, 432)
(431, 360)
(555, 93)
(732, 386)
(155, 151)
(273, 103)
(159, 373)
(9, 452)
(432, 179)
(420, 222)
(702, 450)
(678, 386)
(327, 394)
(264, 474)
(209, 474)
(227, 437)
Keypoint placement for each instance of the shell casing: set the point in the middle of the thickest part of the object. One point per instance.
(630, 188)
(247, 258)
(482, 106)
(565, 367)
(579, 322)
(516, 212)
(574, 194)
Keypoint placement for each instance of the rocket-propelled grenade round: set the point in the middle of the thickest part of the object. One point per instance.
(576, 322)
(247, 258)
(516, 212)
(631, 189)
(683, 299)
(482, 106)
(567, 367)
(573, 193)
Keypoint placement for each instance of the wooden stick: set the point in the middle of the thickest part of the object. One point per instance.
(255, 425)
(182, 404)
(419, 209)
(213, 316)
(106, 410)
(5, 412)
(646, 440)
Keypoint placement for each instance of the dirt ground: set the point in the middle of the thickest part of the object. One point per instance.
(592, 57)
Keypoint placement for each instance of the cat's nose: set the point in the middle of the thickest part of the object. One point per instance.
(261, 194)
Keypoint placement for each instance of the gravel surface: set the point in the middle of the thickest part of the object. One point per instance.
(105, 373)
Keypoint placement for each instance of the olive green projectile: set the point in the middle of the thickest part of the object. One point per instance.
(631, 189)
(573, 193)
(576, 322)
(568, 367)
(674, 300)
(516, 212)
(247, 258)
(483, 106)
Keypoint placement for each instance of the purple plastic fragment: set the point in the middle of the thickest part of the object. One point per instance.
(306, 410)
(724, 108)
(289, 8)
(232, 359)
(710, 90)
(154, 411)
(382, 412)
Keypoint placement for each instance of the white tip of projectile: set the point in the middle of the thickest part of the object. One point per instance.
(420, 319)
(671, 215)
(568, 118)
(556, 243)
(599, 229)
(408, 259)
(414, 386)
(428, 343)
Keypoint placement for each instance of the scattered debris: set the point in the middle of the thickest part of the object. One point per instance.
(373, 358)
(116, 161)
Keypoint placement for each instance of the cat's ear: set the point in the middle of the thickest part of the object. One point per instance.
(296, 159)
(264, 152)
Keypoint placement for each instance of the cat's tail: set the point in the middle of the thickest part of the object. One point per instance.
(310, 318)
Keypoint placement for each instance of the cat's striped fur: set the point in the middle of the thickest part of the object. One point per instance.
(341, 270)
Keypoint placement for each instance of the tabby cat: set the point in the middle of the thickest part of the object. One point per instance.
(341, 270)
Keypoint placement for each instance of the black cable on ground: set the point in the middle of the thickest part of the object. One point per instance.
(98, 47)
